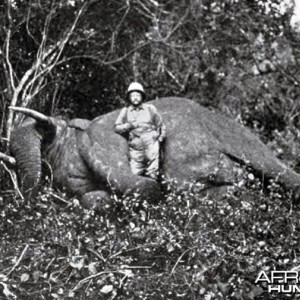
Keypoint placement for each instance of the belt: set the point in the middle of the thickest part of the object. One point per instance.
(137, 132)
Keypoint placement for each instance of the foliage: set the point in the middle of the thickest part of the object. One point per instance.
(232, 55)
(196, 49)
(185, 247)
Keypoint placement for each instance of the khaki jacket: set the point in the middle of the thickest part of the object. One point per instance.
(141, 119)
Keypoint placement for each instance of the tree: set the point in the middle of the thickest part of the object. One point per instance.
(42, 55)
(77, 57)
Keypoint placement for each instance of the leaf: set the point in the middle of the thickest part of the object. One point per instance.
(7, 292)
(77, 263)
(101, 238)
(107, 289)
(128, 272)
(170, 247)
(71, 295)
(143, 215)
(36, 275)
(132, 225)
(25, 277)
(223, 287)
(3, 277)
(92, 268)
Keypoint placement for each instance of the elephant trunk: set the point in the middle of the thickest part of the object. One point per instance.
(26, 148)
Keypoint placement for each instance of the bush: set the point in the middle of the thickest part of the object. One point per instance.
(183, 248)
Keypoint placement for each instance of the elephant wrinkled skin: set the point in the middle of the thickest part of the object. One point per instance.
(89, 159)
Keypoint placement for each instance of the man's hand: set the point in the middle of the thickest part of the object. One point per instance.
(160, 139)
(133, 125)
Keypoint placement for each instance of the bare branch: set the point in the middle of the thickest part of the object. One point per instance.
(104, 62)
(7, 45)
(7, 77)
(155, 3)
(179, 23)
(179, 259)
(146, 11)
(81, 282)
(19, 260)
(39, 56)
(15, 99)
(27, 24)
(116, 31)
(175, 79)
(70, 32)
(49, 58)
(96, 254)
(121, 271)
(58, 198)
(7, 158)
(13, 177)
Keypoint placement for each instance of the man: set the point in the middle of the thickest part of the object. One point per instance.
(144, 127)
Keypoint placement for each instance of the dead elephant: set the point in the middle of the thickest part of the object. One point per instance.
(89, 159)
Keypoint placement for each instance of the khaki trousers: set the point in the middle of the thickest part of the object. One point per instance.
(144, 154)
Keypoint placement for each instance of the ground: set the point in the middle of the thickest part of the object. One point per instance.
(185, 247)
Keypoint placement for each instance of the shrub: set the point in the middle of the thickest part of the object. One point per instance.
(185, 247)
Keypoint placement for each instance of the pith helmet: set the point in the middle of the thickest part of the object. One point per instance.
(135, 87)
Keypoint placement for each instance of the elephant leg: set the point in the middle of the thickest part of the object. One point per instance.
(97, 200)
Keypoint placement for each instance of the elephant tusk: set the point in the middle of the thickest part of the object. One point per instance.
(31, 113)
(7, 158)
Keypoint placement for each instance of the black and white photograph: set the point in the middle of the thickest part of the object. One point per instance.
(149, 149)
